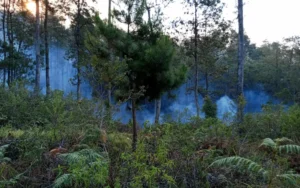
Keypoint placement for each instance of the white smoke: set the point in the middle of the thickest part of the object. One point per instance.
(181, 108)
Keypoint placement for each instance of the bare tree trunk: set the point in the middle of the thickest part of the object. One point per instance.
(157, 110)
(4, 40)
(109, 96)
(109, 11)
(77, 40)
(149, 18)
(37, 47)
(10, 40)
(277, 77)
(206, 82)
(196, 61)
(4, 77)
(78, 82)
(8, 76)
(11, 44)
(109, 101)
(47, 49)
(134, 124)
(109, 91)
(241, 61)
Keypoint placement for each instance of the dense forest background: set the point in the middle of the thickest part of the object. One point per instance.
(129, 101)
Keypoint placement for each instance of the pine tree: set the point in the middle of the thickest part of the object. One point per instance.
(205, 22)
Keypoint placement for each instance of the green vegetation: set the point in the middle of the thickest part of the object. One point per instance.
(65, 140)
(61, 143)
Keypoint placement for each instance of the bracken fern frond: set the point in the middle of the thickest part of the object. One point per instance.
(87, 155)
(283, 141)
(241, 163)
(291, 179)
(62, 181)
(268, 144)
(289, 149)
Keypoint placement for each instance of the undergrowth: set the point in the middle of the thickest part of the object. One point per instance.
(61, 142)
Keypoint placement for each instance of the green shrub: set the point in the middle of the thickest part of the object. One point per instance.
(290, 123)
(209, 108)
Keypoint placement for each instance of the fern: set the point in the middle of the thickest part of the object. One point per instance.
(292, 179)
(241, 163)
(280, 145)
(86, 168)
(252, 167)
(5, 159)
(12, 181)
(2, 152)
(64, 180)
(87, 155)
(268, 144)
(4, 147)
(289, 149)
(283, 141)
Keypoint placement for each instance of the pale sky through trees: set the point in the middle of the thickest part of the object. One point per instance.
(270, 20)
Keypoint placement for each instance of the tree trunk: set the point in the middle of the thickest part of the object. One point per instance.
(109, 11)
(157, 101)
(196, 62)
(47, 49)
(134, 124)
(109, 91)
(4, 40)
(109, 101)
(8, 75)
(11, 44)
(77, 40)
(133, 98)
(10, 40)
(37, 47)
(149, 18)
(206, 82)
(4, 77)
(277, 77)
(78, 80)
(157, 110)
(241, 60)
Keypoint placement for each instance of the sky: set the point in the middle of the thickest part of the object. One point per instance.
(270, 20)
